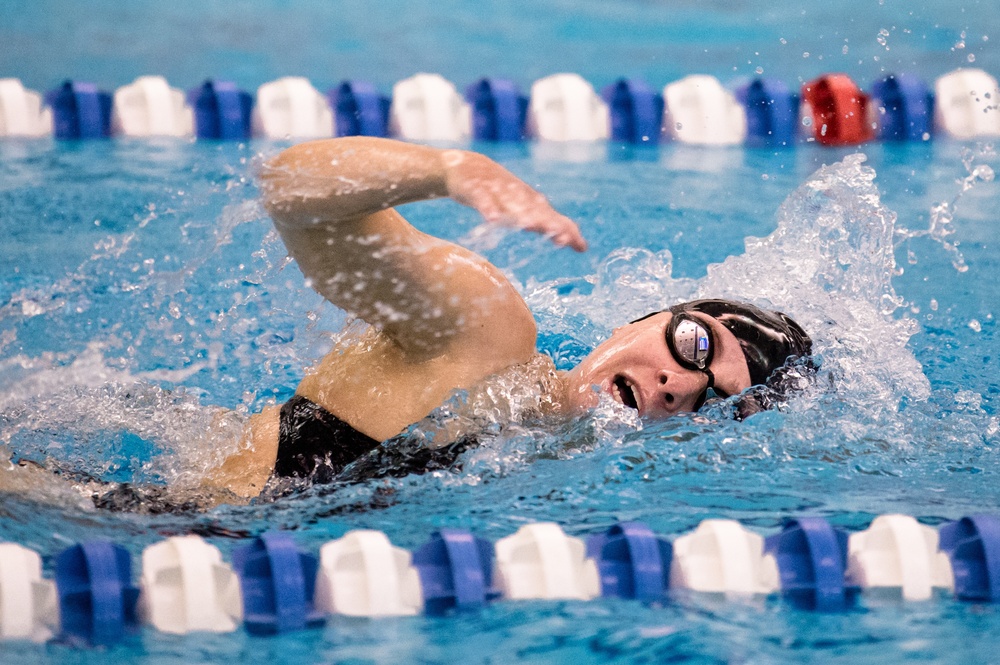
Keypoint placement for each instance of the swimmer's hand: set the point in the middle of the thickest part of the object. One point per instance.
(502, 198)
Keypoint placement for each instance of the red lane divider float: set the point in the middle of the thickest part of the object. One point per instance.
(837, 111)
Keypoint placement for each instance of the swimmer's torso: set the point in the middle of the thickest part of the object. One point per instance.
(373, 388)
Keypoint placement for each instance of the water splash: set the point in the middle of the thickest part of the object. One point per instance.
(942, 215)
(829, 264)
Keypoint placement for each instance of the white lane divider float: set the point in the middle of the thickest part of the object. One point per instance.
(565, 107)
(427, 107)
(967, 104)
(291, 108)
(363, 574)
(897, 552)
(698, 110)
(721, 556)
(150, 107)
(542, 562)
(186, 587)
(22, 111)
(28, 606)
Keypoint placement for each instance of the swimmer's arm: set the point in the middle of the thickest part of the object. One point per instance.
(331, 202)
(351, 177)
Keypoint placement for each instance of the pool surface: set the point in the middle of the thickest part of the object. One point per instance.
(144, 292)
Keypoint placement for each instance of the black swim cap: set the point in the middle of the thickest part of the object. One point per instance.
(768, 339)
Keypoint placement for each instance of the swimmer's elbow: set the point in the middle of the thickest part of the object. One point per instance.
(284, 191)
(320, 182)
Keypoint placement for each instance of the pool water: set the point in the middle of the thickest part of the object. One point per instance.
(144, 293)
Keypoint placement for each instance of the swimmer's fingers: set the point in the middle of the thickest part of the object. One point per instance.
(503, 198)
(562, 230)
(539, 218)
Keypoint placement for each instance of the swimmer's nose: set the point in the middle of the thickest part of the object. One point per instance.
(664, 387)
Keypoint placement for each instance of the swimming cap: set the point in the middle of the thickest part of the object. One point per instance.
(768, 339)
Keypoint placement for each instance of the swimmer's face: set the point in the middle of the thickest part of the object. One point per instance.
(636, 368)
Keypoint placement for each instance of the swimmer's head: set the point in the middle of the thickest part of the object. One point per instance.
(666, 362)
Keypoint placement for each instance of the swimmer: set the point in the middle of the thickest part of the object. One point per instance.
(444, 319)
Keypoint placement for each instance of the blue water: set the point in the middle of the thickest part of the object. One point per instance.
(142, 288)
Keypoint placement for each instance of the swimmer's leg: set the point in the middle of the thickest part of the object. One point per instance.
(246, 472)
(33, 480)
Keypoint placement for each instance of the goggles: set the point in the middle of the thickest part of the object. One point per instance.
(691, 343)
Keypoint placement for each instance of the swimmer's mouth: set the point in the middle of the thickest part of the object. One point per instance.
(625, 392)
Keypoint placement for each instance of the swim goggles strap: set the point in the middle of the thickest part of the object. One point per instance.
(711, 384)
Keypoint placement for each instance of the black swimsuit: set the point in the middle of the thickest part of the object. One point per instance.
(315, 444)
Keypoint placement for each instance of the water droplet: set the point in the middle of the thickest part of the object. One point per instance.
(759, 70)
(678, 126)
(971, 58)
(783, 40)
(975, 325)
(807, 121)
(844, 50)
(764, 176)
(805, 54)
(934, 304)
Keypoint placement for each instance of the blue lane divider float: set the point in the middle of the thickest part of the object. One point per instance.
(455, 572)
(80, 111)
(973, 545)
(278, 583)
(359, 109)
(812, 558)
(632, 562)
(772, 112)
(636, 111)
(221, 111)
(906, 108)
(97, 600)
(498, 110)
(187, 587)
